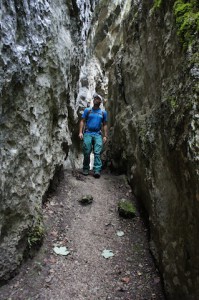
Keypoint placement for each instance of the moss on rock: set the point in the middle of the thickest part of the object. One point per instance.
(35, 236)
(157, 4)
(87, 199)
(36, 232)
(187, 20)
(126, 209)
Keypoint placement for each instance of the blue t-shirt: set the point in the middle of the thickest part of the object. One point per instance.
(94, 119)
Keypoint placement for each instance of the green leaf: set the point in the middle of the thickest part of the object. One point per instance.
(107, 253)
(61, 250)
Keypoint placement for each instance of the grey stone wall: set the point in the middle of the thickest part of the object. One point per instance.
(153, 113)
(41, 55)
(153, 118)
(157, 124)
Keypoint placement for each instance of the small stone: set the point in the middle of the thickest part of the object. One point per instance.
(87, 199)
(47, 280)
(125, 280)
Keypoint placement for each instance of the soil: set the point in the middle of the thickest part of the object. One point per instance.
(87, 230)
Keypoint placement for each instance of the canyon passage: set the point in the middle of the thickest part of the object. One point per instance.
(142, 58)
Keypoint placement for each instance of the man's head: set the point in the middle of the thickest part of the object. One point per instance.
(97, 97)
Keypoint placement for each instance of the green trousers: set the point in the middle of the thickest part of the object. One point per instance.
(95, 143)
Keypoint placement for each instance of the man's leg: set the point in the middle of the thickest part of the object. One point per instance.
(98, 144)
(87, 148)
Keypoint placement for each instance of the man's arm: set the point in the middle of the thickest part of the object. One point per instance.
(105, 129)
(81, 128)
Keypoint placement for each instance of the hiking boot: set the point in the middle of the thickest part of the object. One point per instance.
(85, 172)
(97, 175)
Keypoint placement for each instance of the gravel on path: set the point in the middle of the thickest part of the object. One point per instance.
(86, 231)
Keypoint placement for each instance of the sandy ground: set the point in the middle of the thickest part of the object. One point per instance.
(86, 231)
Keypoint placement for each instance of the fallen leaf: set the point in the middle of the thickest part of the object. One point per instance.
(51, 271)
(54, 233)
(125, 279)
(52, 260)
(120, 233)
(107, 253)
(61, 250)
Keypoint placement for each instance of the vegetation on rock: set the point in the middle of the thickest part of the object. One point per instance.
(186, 14)
(157, 4)
(126, 209)
(35, 236)
(87, 199)
(36, 233)
(187, 20)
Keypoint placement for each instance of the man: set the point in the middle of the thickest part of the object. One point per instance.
(93, 120)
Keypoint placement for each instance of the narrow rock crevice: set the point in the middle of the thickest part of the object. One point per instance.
(142, 57)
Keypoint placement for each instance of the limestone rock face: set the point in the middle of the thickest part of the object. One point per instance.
(153, 118)
(49, 71)
(41, 55)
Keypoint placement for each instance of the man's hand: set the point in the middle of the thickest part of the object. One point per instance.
(104, 139)
(81, 136)
(81, 128)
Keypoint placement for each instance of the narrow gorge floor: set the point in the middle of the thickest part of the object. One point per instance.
(86, 231)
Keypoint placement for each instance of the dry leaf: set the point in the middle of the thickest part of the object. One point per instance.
(54, 233)
(125, 279)
(52, 260)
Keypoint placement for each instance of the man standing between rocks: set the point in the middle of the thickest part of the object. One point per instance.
(90, 130)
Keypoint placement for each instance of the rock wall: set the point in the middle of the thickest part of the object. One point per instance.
(41, 56)
(49, 68)
(153, 118)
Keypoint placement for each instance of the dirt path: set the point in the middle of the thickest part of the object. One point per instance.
(86, 231)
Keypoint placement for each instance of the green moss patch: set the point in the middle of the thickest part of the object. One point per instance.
(126, 209)
(187, 20)
(157, 4)
(37, 231)
(35, 236)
